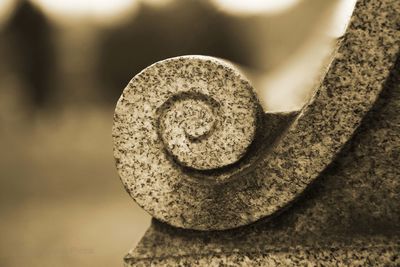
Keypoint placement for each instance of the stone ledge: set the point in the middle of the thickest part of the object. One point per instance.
(383, 255)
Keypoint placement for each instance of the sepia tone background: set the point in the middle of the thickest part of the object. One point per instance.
(63, 65)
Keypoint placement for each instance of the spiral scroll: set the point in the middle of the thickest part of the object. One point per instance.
(210, 127)
(186, 130)
(178, 106)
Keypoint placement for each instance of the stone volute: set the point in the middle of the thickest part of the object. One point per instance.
(344, 142)
(186, 129)
(194, 148)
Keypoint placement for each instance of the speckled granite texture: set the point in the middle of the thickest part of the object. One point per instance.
(185, 129)
(350, 215)
(189, 191)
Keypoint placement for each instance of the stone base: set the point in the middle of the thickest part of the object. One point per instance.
(372, 255)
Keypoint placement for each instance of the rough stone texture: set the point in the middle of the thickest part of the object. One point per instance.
(266, 179)
(185, 127)
(350, 216)
(205, 127)
(382, 255)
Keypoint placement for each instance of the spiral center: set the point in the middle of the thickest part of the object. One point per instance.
(203, 134)
(198, 120)
(207, 114)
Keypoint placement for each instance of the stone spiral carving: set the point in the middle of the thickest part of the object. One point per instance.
(279, 155)
(186, 131)
(209, 126)
(194, 148)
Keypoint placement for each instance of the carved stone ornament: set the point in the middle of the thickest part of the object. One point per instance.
(194, 148)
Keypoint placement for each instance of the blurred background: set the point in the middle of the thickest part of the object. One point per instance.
(63, 65)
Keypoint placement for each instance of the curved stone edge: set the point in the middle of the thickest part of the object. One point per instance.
(353, 204)
(168, 198)
(362, 184)
(349, 89)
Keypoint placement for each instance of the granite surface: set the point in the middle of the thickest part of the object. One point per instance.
(184, 128)
(350, 215)
(226, 170)
(383, 255)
